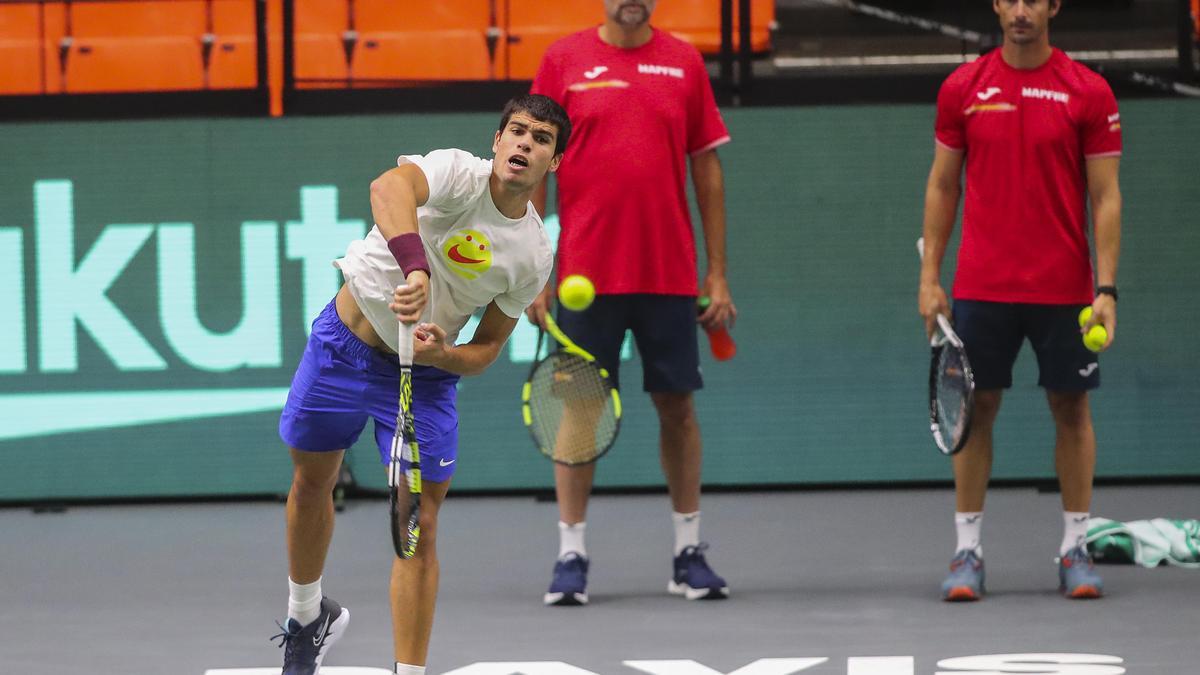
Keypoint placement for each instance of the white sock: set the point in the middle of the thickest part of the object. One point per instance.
(1075, 527)
(304, 601)
(570, 539)
(687, 530)
(968, 525)
(406, 669)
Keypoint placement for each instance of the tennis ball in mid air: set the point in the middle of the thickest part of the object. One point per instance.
(576, 292)
(1095, 338)
(1084, 315)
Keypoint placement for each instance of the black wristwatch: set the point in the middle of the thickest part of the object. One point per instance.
(1107, 290)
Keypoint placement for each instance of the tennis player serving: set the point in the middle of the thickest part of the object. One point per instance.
(453, 233)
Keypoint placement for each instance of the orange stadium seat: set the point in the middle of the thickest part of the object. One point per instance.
(389, 16)
(449, 40)
(699, 22)
(233, 63)
(318, 40)
(437, 41)
(534, 25)
(119, 65)
(444, 55)
(20, 49)
(135, 46)
(326, 16)
(54, 25)
(319, 56)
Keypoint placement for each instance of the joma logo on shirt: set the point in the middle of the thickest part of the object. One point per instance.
(660, 70)
(1044, 94)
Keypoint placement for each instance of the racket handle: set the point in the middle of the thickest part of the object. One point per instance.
(719, 340)
(404, 348)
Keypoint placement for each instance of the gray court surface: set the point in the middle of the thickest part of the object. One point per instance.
(826, 577)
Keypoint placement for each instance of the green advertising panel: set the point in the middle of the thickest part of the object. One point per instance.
(157, 280)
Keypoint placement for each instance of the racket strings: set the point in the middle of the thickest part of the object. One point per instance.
(573, 416)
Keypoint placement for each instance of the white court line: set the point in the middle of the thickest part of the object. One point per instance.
(880, 665)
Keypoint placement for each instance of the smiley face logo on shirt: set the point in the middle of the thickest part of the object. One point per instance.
(469, 253)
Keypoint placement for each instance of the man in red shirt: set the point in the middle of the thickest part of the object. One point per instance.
(641, 106)
(1040, 135)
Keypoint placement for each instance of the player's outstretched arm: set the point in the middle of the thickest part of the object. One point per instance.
(942, 193)
(473, 358)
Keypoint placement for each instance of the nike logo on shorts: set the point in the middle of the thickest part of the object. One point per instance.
(442, 462)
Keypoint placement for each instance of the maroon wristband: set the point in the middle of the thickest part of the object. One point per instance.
(409, 252)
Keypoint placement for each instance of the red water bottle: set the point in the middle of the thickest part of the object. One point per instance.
(722, 344)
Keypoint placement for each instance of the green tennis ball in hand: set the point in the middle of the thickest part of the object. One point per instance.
(576, 292)
(1084, 315)
(1095, 338)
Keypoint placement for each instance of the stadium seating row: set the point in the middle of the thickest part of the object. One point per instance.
(365, 40)
(93, 46)
(84, 47)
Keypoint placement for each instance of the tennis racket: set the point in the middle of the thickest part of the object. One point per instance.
(951, 385)
(951, 389)
(404, 486)
(569, 405)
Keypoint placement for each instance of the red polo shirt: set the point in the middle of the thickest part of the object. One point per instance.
(636, 116)
(1026, 134)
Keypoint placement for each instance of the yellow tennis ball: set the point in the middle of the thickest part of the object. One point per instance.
(1084, 315)
(1095, 338)
(576, 292)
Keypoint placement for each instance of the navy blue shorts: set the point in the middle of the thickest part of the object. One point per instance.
(342, 382)
(664, 329)
(993, 333)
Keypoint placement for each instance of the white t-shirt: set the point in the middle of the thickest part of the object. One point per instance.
(476, 254)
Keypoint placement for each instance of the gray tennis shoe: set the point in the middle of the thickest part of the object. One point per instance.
(1077, 577)
(965, 581)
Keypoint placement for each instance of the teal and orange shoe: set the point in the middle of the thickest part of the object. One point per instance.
(965, 581)
(1077, 577)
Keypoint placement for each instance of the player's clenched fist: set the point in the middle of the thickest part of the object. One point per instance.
(408, 300)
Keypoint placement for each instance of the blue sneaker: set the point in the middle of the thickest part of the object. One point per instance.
(304, 647)
(694, 579)
(1077, 576)
(569, 586)
(965, 581)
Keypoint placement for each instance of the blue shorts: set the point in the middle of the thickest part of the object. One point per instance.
(993, 332)
(342, 382)
(664, 328)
